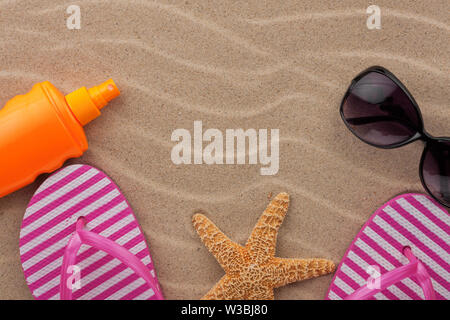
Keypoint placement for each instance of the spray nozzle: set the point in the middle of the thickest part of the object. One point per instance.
(86, 104)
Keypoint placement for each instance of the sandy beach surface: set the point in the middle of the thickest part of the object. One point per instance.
(255, 64)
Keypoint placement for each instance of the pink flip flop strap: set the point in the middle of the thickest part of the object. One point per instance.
(414, 268)
(83, 236)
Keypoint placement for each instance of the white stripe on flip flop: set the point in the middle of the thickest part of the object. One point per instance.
(65, 206)
(111, 281)
(85, 263)
(61, 192)
(101, 254)
(54, 178)
(145, 295)
(395, 254)
(423, 219)
(333, 296)
(98, 272)
(57, 262)
(129, 288)
(111, 264)
(437, 249)
(115, 279)
(419, 254)
(343, 286)
(359, 280)
(435, 210)
(380, 260)
(56, 280)
(364, 265)
(139, 247)
(94, 258)
(106, 284)
(368, 231)
(105, 216)
(64, 224)
(63, 242)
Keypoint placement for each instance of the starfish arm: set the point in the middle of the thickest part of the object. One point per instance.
(226, 252)
(268, 295)
(261, 293)
(262, 242)
(226, 289)
(292, 270)
(233, 289)
(220, 291)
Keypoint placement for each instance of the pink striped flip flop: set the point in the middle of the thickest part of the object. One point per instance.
(80, 239)
(402, 252)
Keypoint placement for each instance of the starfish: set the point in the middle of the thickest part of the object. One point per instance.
(252, 271)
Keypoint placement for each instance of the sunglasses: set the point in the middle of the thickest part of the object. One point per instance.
(380, 111)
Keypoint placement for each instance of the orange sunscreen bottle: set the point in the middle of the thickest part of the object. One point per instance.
(43, 128)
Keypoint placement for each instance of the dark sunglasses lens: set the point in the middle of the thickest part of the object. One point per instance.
(436, 171)
(379, 112)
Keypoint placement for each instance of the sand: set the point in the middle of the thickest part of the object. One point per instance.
(259, 64)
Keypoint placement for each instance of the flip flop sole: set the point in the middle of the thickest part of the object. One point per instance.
(412, 220)
(82, 191)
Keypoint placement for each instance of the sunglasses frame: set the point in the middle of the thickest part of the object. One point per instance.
(421, 133)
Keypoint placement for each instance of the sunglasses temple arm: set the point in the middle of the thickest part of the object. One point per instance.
(443, 180)
(368, 120)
